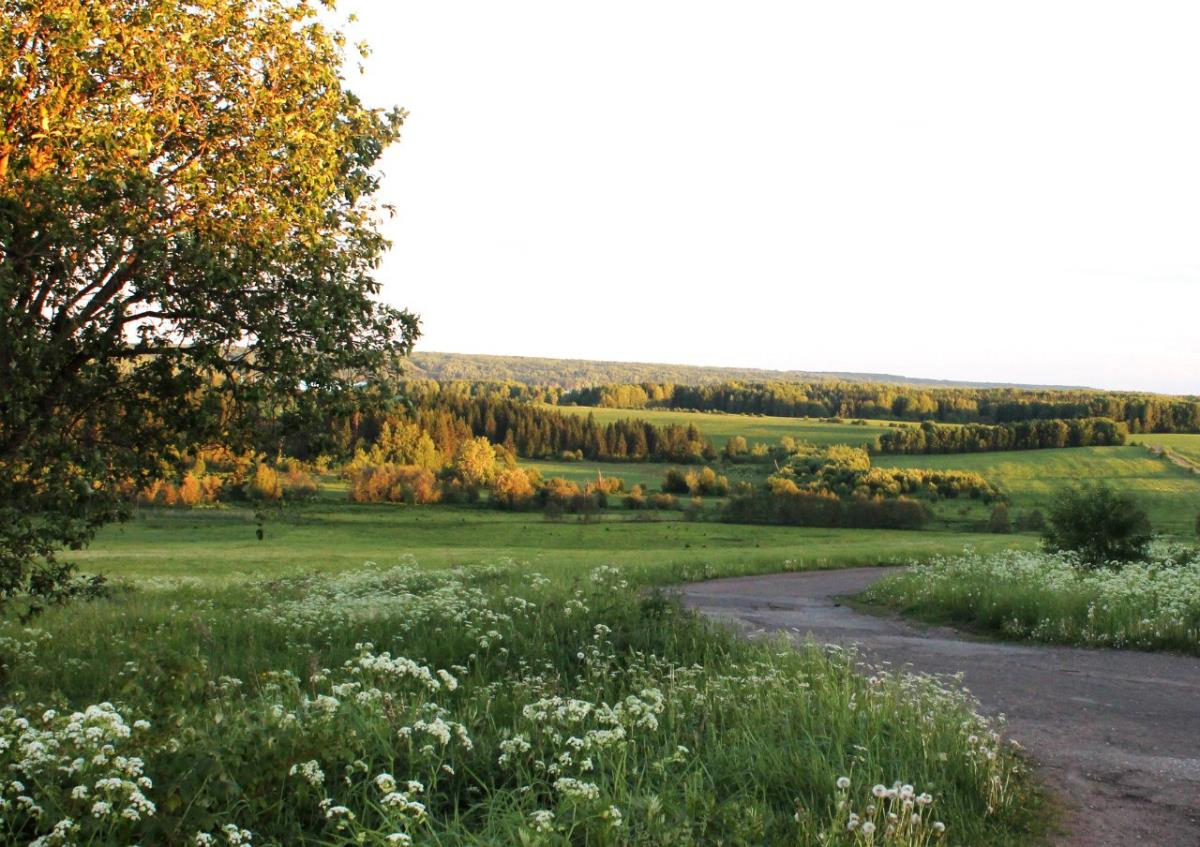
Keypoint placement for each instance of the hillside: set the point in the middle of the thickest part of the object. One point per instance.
(576, 373)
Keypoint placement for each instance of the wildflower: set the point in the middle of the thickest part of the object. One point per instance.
(843, 782)
(543, 820)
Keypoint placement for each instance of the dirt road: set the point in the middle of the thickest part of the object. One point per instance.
(1117, 733)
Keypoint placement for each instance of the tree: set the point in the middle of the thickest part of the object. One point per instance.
(1099, 524)
(475, 462)
(999, 521)
(188, 241)
(513, 488)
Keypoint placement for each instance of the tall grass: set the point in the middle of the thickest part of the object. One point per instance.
(1043, 597)
(488, 705)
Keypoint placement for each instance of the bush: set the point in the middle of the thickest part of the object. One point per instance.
(999, 521)
(394, 484)
(298, 484)
(1032, 521)
(675, 481)
(265, 484)
(605, 485)
(800, 508)
(559, 490)
(694, 509)
(513, 489)
(1099, 525)
(663, 502)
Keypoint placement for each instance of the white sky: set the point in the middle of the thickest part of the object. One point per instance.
(1001, 191)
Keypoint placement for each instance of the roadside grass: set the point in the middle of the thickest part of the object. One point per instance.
(486, 705)
(1042, 597)
(1170, 494)
(719, 427)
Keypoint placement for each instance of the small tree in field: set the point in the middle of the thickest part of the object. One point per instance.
(999, 520)
(1098, 524)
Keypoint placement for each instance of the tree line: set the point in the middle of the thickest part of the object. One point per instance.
(528, 430)
(1021, 435)
(819, 399)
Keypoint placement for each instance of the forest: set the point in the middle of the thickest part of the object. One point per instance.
(1140, 412)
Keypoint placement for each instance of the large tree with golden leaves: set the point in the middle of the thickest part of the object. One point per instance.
(187, 215)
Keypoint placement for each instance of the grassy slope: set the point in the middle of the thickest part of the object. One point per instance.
(719, 428)
(220, 544)
(1170, 494)
(1185, 444)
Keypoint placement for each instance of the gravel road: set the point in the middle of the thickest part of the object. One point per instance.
(1117, 733)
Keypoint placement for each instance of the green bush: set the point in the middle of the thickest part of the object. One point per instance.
(1099, 525)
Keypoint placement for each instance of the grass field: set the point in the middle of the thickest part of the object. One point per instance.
(1185, 444)
(220, 544)
(719, 428)
(1170, 494)
(649, 474)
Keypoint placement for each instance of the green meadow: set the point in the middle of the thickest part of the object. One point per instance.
(217, 545)
(719, 428)
(1170, 494)
(1186, 445)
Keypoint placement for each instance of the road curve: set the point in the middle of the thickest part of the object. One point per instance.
(1117, 733)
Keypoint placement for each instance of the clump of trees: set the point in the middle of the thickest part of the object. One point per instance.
(1099, 525)
(1021, 435)
(390, 483)
(847, 472)
(703, 482)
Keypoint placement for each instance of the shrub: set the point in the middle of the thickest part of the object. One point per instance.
(389, 483)
(999, 521)
(801, 508)
(663, 502)
(559, 490)
(586, 506)
(605, 485)
(706, 481)
(513, 489)
(298, 484)
(1099, 525)
(1032, 521)
(265, 484)
(694, 509)
(675, 481)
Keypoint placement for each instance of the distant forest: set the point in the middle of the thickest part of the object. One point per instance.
(559, 375)
(1140, 412)
(794, 393)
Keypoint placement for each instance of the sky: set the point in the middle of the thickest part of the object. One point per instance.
(999, 192)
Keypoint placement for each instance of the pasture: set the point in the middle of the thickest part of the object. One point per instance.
(1186, 445)
(719, 427)
(1170, 494)
(160, 546)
